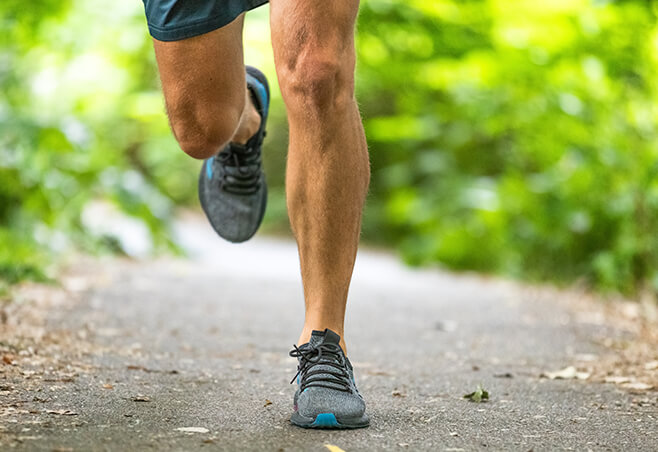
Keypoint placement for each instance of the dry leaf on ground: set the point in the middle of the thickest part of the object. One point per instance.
(62, 412)
(567, 373)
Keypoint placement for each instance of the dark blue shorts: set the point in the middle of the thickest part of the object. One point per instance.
(173, 20)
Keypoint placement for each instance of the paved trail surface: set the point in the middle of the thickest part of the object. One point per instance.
(203, 343)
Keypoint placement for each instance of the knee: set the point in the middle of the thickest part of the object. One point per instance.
(201, 134)
(317, 84)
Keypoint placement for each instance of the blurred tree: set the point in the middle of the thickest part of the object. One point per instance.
(516, 139)
(80, 119)
(510, 137)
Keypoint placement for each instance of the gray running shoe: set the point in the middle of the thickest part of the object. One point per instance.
(326, 396)
(232, 187)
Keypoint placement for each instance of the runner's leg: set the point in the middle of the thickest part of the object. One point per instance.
(328, 169)
(203, 80)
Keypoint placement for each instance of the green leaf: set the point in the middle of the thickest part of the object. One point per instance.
(479, 395)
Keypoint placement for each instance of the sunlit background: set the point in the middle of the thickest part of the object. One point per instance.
(506, 137)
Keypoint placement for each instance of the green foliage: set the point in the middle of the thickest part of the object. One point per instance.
(518, 139)
(80, 119)
(19, 260)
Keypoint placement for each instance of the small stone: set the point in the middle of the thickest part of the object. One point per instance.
(651, 365)
(637, 386)
(617, 379)
(193, 429)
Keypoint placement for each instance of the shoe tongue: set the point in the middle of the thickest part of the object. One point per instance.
(324, 337)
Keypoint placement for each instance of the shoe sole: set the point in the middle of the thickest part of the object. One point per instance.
(329, 421)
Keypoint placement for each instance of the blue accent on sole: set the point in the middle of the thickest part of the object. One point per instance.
(209, 167)
(328, 421)
(325, 420)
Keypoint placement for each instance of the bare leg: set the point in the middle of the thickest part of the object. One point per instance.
(203, 79)
(328, 169)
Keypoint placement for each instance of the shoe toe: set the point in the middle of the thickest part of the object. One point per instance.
(235, 217)
(314, 401)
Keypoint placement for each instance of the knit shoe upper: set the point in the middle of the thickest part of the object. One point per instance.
(232, 187)
(327, 396)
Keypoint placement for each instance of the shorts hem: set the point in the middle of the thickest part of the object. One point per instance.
(198, 28)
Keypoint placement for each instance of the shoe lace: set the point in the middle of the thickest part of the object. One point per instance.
(242, 167)
(316, 367)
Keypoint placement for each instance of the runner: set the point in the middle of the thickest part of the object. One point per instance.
(218, 112)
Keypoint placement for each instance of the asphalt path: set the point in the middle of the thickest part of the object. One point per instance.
(191, 354)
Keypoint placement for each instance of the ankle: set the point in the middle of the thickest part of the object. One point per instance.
(249, 124)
